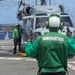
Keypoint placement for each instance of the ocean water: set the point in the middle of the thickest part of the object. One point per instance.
(5, 35)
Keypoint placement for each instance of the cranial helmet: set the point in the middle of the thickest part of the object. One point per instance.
(18, 25)
(54, 23)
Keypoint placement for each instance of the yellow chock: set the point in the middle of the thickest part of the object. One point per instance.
(23, 54)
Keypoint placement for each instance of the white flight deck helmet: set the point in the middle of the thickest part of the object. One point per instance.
(17, 25)
(54, 23)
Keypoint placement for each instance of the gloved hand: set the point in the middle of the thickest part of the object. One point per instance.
(29, 39)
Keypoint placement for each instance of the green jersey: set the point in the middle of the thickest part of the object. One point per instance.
(51, 52)
(16, 34)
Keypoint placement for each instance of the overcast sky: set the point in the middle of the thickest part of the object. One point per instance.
(8, 9)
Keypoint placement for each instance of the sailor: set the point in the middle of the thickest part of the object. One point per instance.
(17, 37)
(71, 52)
(50, 49)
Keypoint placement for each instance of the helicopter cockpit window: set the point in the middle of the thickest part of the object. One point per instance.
(40, 22)
(67, 21)
(29, 27)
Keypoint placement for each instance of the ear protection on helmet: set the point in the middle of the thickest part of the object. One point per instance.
(46, 23)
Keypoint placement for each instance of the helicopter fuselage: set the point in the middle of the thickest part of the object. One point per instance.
(34, 18)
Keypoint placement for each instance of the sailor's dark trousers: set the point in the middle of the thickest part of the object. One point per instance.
(17, 42)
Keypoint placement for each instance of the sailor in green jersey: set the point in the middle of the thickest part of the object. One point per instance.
(50, 49)
(71, 40)
(17, 37)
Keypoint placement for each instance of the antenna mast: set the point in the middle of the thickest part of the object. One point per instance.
(36, 2)
(50, 2)
(43, 2)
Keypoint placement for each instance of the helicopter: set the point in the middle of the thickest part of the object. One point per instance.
(34, 18)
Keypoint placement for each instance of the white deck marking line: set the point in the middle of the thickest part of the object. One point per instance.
(31, 59)
(71, 62)
(17, 58)
(71, 67)
(11, 58)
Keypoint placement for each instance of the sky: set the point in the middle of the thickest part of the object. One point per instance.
(8, 9)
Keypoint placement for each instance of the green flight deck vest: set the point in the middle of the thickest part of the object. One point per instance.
(16, 34)
(52, 55)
